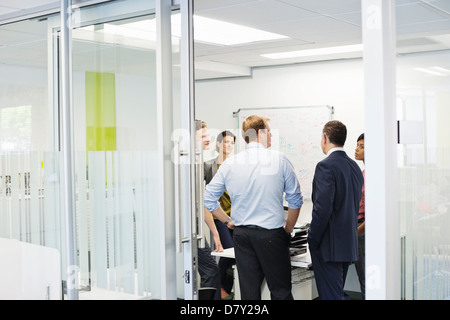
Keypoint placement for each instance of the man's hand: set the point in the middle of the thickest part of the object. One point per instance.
(230, 224)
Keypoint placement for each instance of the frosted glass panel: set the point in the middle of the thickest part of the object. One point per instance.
(424, 177)
(27, 198)
(147, 243)
(119, 229)
(123, 236)
(52, 219)
(97, 218)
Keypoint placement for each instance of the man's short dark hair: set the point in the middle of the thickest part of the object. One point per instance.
(336, 132)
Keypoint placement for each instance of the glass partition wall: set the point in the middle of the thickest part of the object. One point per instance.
(114, 90)
(29, 161)
(125, 250)
(424, 174)
(124, 226)
(423, 109)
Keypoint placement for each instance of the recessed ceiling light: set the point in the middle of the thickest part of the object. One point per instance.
(205, 30)
(224, 33)
(314, 52)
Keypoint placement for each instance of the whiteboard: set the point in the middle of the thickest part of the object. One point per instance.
(296, 131)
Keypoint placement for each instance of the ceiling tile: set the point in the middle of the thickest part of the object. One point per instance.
(354, 18)
(424, 28)
(441, 4)
(214, 4)
(257, 14)
(6, 10)
(326, 7)
(320, 27)
(417, 13)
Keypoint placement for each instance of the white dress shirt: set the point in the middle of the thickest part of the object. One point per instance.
(256, 180)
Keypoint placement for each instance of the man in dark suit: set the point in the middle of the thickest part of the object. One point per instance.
(333, 236)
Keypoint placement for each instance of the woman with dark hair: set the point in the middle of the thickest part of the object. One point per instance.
(360, 264)
(224, 146)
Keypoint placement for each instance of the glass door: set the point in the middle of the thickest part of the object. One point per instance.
(127, 88)
(30, 224)
(423, 151)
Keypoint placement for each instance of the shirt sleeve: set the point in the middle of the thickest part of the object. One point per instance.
(292, 191)
(214, 190)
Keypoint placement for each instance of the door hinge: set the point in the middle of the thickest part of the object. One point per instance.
(187, 278)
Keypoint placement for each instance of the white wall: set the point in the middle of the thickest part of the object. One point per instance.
(339, 84)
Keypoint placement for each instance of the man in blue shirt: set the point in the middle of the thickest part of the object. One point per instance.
(256, 180)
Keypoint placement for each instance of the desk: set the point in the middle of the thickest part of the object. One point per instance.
(303, 285)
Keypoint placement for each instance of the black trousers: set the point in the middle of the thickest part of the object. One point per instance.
(263, 253)
(208, 270)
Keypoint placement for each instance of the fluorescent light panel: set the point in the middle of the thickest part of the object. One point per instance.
(314, 52)
(225, 33)
(205, 30)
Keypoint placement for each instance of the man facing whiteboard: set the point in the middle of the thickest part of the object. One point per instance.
(332, 235)
(256, 180)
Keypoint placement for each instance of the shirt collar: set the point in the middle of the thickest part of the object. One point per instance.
(335, 149)
(252, 145)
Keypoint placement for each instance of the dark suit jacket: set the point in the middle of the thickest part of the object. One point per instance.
(210, 169)
(336, 193)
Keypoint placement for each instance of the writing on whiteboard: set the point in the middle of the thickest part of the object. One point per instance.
(296, 131)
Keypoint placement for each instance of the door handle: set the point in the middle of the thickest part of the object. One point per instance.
(179, 153)
(199, 197)
(199, 214)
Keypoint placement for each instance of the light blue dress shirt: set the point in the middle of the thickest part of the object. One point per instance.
(256, 180)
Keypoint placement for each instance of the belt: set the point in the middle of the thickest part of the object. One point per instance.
(252, 226)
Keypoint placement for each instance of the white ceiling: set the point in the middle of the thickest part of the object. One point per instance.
(14, 6)
(422, 25)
